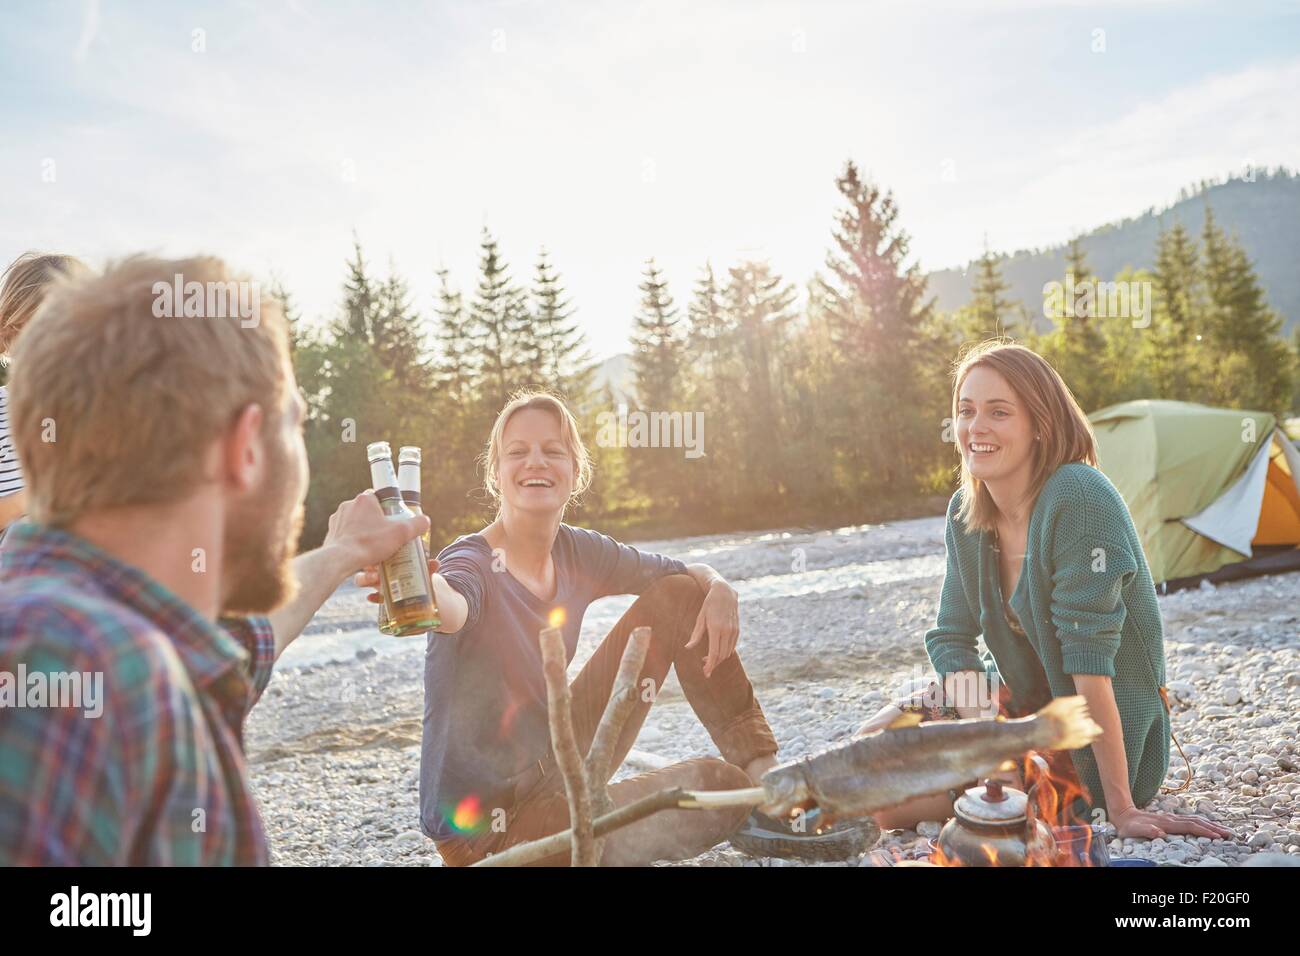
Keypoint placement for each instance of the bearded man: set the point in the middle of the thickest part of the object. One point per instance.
(166, 472)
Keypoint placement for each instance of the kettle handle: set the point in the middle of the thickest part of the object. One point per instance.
(1031, 795)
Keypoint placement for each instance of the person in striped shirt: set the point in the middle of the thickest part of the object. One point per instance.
(25, 283)
(155, 571)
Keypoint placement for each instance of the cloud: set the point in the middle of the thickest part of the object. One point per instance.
(89, 30)
(1118, 167)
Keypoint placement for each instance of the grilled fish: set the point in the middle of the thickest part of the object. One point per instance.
(892, 766)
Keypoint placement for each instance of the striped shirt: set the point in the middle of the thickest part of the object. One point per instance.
(157, 776)
(11, 477)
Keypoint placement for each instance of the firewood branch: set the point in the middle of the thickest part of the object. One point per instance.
(622, 701)
(604, 742)
(674, 798)
(564, 743)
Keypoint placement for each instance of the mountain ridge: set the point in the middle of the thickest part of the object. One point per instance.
(1264, 213)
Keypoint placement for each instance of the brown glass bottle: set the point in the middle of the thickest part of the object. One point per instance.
(404, 577)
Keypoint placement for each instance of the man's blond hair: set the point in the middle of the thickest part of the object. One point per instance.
(114, 401)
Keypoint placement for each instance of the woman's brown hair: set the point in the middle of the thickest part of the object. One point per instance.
(1064, 433)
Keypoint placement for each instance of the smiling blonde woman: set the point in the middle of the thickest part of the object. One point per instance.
(488, 779)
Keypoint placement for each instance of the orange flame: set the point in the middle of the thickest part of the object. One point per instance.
(1054, 800)
(557, 617)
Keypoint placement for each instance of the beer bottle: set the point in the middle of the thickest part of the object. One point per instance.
(404, 577)
(408, 483)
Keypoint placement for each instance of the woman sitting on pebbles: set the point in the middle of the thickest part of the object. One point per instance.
(1045, 563)
(488, 778)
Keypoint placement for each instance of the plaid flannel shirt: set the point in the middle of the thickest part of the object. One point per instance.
(158, 777)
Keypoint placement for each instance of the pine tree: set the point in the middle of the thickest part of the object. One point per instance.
(397, 336)
(1253, 366)
(657, 473)
(656, 343)
(360, 299)
(1076, 346)
(1172, 351)
(877, 313)
(708, 326)
(455, 373)
(990, 313)
(565, 362)
(759, 307)
(496, 322)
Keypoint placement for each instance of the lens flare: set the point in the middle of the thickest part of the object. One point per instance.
(467, 817)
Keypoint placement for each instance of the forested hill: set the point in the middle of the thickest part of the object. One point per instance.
(1264, 213)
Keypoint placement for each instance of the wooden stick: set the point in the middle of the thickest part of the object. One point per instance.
(622, 701)
(674, 798)
(619, 707)
(565, 745)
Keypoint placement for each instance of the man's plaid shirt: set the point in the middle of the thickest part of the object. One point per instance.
(159, 777)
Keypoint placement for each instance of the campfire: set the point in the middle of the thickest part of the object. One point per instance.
(998, 825)
(995, 824)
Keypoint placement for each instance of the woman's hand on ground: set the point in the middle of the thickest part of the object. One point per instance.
(368, 577)
(719, 620)
(1147, 825)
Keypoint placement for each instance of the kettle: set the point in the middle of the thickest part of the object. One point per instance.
(997, 825)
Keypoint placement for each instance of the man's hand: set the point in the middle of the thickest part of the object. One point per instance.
(360, 531)
(359, 534)
(720, 620)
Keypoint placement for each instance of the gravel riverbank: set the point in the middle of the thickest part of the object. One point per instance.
(832, 622)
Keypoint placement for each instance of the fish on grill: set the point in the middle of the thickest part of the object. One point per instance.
(892, 766)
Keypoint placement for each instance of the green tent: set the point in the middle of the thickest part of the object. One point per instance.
(1207, 487)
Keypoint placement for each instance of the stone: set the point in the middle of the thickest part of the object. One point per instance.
(1272, 859)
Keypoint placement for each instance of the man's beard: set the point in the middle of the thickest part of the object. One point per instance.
(260, 539)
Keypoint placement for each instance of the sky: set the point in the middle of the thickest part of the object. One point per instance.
(607, 132)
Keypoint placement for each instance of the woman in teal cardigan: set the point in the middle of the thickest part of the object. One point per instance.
(1045, 563)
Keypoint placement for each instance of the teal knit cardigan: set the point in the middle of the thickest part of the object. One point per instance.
(1087, 604)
